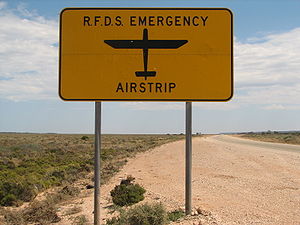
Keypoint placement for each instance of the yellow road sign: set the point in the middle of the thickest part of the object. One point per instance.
(146, 54)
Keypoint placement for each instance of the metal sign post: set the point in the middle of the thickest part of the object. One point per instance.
(97, 163)
(188, 158)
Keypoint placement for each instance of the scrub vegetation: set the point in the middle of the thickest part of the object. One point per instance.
(146, 214)
(32, 163)
(274, 136)
(127, 194)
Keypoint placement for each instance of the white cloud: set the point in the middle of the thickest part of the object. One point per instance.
(28, 56)
(273, 61)
(266, 73)
(159, 106)
(22, 9)
(2, 5)
(153, 106)
(274, 106)
(282, 107)
(224, 106)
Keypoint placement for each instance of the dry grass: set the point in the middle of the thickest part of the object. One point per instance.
(287, 138)
(73, 210)
(80, 220)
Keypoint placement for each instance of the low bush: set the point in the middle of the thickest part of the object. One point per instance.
(63, 194)
(13, 218)
(8, 200)
(70, 190)
(80, 220)
(127, 193)
(84, 138)
(41, 213)
(13, 191)
(175, 215)
(145, 214)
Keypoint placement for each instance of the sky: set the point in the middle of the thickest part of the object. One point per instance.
(266, 73)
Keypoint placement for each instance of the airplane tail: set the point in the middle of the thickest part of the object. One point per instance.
(145, 74)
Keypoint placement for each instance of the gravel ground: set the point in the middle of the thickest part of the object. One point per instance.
(233, 182)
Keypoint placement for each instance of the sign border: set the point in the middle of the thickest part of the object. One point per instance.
(144, 100)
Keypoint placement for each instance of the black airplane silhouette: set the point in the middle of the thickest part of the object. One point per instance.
(145, 44)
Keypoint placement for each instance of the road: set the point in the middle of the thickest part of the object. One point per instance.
(267, 145)
(234, 181)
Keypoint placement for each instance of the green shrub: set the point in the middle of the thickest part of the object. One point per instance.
(145, 214)
(175, 215)
(28, 192)
(8, 200)
(114, 221)
(11, 191)
(127, 193)
(84, 138)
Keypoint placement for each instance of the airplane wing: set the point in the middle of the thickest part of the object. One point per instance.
(135, 44)
(148, 44)
(166, 44)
